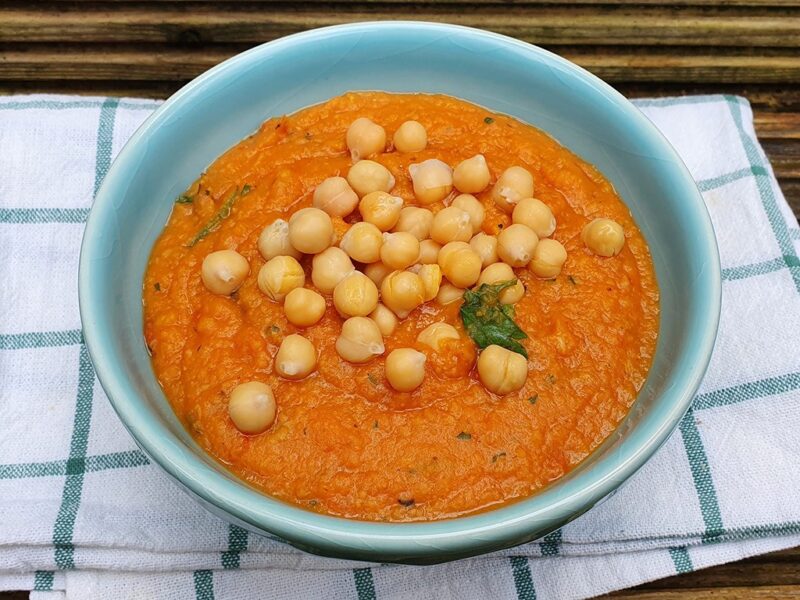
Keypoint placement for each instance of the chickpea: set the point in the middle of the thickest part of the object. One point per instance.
(486, 247)
(451, 224)
(329, 267)
(399, 250)
(514, 184)
(365, 138)
(435, 333)
(279, 276)
(428, 252)
(385, 319)
(604, 237)
(499, 272)
(416, 221)
(296, 357)
(410, 137)
(548, 258)
(274, 241)
(402, 292)
(460, 264)
(472, 175)
(360, 340)
(224, 271)
(405, 369)
(515, 245)
(448, 249)
(303, 307)
(252, 407)
(448, 293)
(310, 230)
(381, 209)
(335, 197)
(502, 371)
(377, 271)
(535, 215)
(362, 242)
(355, 295)
(473, 207)
(367, 176)
(431, 276)
(432, 179)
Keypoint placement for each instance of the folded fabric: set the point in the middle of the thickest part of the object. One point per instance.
(83, 513)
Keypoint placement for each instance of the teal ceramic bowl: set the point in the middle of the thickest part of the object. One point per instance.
(224, 105)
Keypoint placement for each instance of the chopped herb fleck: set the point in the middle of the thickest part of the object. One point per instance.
(464, 436)
(500, 225)
(157, 286)
(375, 425)
(184, 199)
(572, 280)
(373, 379)
(498, 456)
(274, 329)
(312, 502)
(308, 135)
(488, 322)
(533, 398)
(551, 379)
(222, 214)
(488, 120)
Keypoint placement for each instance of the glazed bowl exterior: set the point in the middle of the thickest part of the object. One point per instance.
(227, 103)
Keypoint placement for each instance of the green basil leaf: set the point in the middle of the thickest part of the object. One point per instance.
(489, 322)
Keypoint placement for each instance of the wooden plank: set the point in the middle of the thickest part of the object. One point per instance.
(764, 98)
(778, 125)
(772, 592)
(100, 87)
(743, 573)
(785, 157)
(688, 67)
(546, 25)
(790, 555)
(34, 62)
(599, 3)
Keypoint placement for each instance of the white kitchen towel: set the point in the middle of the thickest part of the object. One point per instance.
(84, 515)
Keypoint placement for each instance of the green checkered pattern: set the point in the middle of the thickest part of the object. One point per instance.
(81, 507)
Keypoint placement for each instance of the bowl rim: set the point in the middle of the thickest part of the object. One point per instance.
(464, 536)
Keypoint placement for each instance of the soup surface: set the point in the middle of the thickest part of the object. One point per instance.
(344, 442)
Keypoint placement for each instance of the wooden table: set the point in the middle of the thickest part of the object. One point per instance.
(642, 47)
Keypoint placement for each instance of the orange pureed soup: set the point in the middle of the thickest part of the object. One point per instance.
(344, 441)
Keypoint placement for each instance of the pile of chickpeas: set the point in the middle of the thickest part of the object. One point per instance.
(410, 255)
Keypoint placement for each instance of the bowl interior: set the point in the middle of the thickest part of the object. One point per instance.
(223, 106)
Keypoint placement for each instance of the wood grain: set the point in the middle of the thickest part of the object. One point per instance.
(644, 48)
(774, 592)
(108, 62)
(547, 25)
(409, 6)
(775, 575)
